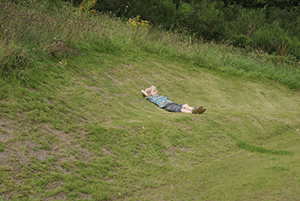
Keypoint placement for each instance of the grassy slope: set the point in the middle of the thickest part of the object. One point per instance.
(131, 149)
(86, 132)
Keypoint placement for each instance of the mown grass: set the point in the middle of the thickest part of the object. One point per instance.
(82, 130)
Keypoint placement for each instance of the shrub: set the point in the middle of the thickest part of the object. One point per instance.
(271, 38)
(294, 47)
(239, 21)
(203, 19)
(240, 40)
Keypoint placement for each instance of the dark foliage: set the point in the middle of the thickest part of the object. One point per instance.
(268, 25)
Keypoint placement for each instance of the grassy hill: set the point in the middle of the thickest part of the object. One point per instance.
(78, 127)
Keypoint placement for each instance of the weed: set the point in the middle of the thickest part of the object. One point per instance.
(138, 23)
(2, 146)
(45, 145)
(87, 5)
(66, 165)
(25, 150)
(276, 168)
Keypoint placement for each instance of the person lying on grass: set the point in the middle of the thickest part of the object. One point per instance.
(163, 102)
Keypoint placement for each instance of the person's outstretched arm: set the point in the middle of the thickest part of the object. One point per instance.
(144, 93)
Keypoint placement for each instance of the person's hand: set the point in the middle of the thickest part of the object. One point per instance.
(144, 93)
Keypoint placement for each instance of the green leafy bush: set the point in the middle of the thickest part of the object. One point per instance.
(240, 40)
(271, 38)
(203, 20)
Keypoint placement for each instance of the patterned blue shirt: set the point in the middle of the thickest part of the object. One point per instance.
(161, 101)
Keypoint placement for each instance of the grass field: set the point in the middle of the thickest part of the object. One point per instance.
(81, 130)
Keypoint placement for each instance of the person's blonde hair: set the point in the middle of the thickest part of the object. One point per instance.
(149, 89)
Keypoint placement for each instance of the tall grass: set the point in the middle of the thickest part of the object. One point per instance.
(33, 34)
(30, 32)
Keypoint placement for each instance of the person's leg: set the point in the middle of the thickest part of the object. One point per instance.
(185, 110)
(187, 107)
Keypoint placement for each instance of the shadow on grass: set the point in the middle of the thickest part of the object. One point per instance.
(251, 148)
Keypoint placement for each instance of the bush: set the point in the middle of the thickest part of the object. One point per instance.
(271, 38)
(203, 20)
(239, 21)
(240, 40)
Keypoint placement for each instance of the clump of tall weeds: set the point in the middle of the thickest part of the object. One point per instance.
(27, 32)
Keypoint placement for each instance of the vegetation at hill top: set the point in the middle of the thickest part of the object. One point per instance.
(74, 125)
(268, 25)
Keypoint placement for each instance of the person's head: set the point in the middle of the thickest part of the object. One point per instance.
(152, 91)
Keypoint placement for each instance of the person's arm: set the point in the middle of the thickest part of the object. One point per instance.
(144, 93)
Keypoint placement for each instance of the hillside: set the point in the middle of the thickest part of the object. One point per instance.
(81, 129)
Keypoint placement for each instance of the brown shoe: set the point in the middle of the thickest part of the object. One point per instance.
(197, 110)
(202, 111)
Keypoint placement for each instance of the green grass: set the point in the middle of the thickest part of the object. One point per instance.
(83, 131)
